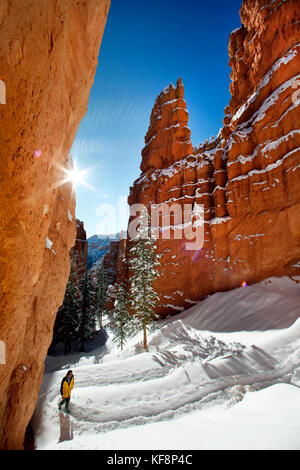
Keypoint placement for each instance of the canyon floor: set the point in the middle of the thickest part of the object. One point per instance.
(196, 388)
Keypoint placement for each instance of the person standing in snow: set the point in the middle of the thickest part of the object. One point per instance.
(66, 386)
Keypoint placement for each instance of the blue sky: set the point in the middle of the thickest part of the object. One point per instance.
(146, 46)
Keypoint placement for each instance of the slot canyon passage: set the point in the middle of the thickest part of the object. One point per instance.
(246, 178)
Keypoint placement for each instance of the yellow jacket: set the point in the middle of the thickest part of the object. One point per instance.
(66, 388)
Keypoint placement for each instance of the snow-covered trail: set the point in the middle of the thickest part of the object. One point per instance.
(133, 404)
(110, 398)
(134, 388)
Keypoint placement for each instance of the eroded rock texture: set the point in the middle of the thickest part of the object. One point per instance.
(48, 57)
(247, 178)
(168, 136)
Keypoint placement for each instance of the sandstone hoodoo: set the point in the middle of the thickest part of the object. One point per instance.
(48, 58)
(247, 178)
(168, 136)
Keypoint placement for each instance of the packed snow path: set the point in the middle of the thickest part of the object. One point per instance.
(125, 400)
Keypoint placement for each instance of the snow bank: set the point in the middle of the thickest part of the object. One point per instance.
(273, 303)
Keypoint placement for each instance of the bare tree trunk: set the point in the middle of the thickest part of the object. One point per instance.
(84, 306)
(145, 337)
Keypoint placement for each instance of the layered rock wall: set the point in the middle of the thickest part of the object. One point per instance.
(247, 178)
(48, 57)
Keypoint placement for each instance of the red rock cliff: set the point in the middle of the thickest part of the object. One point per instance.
(48, 58)
(247, 178)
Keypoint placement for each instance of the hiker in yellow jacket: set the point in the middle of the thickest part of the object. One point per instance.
(66, 386)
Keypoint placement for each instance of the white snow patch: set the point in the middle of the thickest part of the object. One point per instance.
(219, 220)
(171, 127)
(248, 237)
(169, 102)
(48, 244)
(174, 307)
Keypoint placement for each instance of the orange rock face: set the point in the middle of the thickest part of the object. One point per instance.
(48, 58)
(247, 178)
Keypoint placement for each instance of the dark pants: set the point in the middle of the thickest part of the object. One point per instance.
(66, 401)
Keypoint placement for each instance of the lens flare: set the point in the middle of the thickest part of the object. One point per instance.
(76, 176)
(196, 255)
(244, 284)
(73, 175)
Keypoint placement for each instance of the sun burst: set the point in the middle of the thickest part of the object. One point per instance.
(73, 175)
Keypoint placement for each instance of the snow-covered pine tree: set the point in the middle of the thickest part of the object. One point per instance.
(88, 309)
(100, 294)
(122, 319)
(68, 319)
(143, 262)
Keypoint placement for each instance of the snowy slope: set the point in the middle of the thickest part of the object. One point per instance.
(273, 303)
(204, 387)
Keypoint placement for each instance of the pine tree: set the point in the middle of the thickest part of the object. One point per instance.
(67, 323)
(143, 261)
(88, 309)
(122, 318)
(101, 297)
